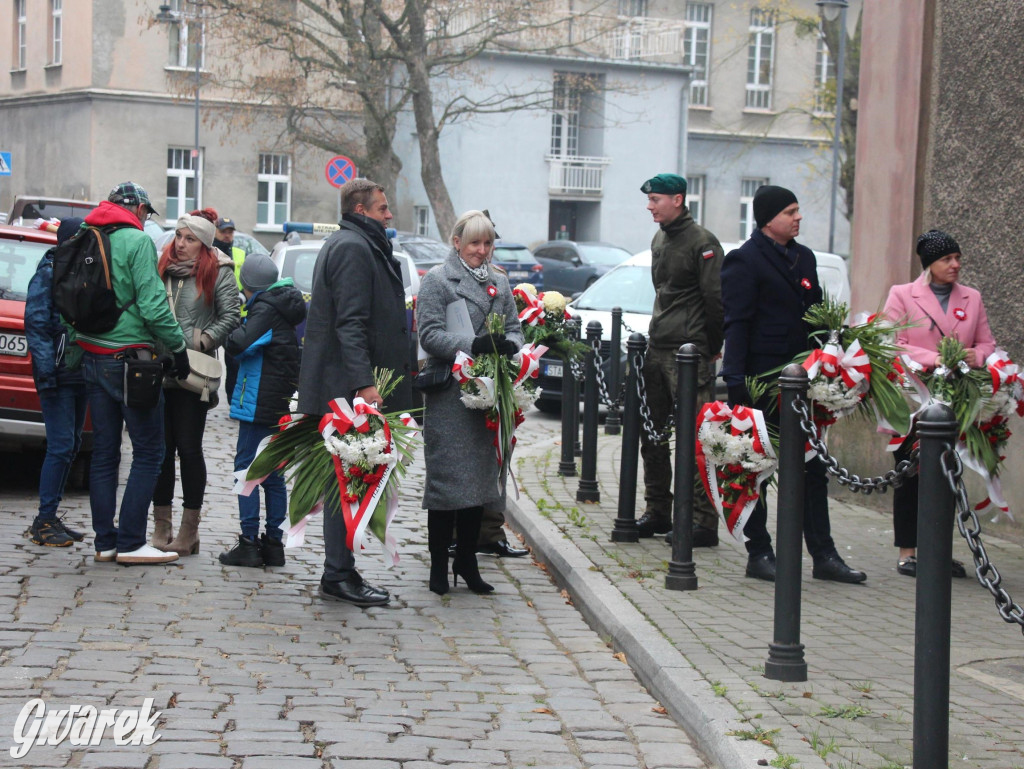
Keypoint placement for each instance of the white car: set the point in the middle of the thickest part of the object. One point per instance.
(629, 286)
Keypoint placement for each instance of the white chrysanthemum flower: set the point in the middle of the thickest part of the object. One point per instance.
(529, 288)
(524, 396)
(476, 400)
(554, 302)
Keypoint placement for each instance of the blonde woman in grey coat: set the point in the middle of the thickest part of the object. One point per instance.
(462, 467)
(203, 294)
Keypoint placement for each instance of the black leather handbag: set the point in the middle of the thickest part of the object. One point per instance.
(433, 379)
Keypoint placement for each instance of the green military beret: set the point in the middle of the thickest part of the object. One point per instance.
(665, 184)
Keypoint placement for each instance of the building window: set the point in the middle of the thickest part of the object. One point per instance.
(56, 31)
(181, 183)
(422, 216)
(697, 49)
(20, 42)
(632, 7)
(187, 36)
(760, 55)
(824, 78)
(274, 190)
(565, 115)
(695, 197)
(747, 189)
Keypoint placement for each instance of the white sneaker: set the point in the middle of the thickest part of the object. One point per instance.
(146, 554)
(105, 556)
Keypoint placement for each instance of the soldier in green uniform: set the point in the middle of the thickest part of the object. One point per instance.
(685, 263)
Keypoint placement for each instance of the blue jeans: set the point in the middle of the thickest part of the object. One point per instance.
(64, 409)
(249, 437)
(104, 377)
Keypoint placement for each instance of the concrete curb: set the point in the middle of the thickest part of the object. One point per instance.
(657, 663)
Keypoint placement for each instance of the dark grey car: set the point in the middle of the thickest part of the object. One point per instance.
(571, 266)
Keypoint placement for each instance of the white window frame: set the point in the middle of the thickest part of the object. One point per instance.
(695, 197)
(698, 34)
(760, 50)
(747, 222)
(181, 167)
(824, 73)
(275, 168)
(633, 8)
(567, 104)
(421, 219)
(56, 32)
(20, 35)
(182, 28)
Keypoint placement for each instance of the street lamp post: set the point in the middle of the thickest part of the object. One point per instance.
(167, 16)
(830, 10)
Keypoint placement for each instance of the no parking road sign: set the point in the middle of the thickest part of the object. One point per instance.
(340, 169)
(5, 163)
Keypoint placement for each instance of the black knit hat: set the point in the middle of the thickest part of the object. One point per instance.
(769, 202)
(935, 244)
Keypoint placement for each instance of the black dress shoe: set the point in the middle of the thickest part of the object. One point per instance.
(372, 588)
(649, 525)
(502, 549)
(352, 590)
(835, 569)
(704, 537)
(908, 567)
(762, 566)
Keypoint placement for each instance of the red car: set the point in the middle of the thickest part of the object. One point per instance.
(21, 420)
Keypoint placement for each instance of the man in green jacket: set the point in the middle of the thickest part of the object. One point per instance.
(146, 318)
(685, 263)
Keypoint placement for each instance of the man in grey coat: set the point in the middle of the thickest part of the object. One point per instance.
(356, 322)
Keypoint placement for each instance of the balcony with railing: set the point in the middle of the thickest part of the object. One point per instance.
(574, 176)
(560, 33)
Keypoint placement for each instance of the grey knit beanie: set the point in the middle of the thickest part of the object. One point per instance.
(258, 272)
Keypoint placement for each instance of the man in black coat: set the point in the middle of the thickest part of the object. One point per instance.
(356, 322)
(768, 284)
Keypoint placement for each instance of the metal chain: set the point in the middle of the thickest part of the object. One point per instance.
(645, 410)
(879, 483)
(579, 372)
(988, 575)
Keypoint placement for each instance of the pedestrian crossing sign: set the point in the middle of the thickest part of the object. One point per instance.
(5, 163)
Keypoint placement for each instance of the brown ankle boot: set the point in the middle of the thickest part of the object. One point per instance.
(162, 528)
(187, 541)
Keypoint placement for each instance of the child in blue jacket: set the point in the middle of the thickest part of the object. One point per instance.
(267, 351)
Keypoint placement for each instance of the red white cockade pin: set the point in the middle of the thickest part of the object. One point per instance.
(492, 291)
(959, 313)
(806, 284)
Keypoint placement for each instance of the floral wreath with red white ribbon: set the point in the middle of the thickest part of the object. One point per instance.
(352, 457)
(543, 318)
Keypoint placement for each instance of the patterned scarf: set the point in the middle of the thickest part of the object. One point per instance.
(481, 273)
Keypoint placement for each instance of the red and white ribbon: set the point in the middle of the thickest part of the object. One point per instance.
(533, 313)
(529, 362)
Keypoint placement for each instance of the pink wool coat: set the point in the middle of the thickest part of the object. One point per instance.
(965, 320)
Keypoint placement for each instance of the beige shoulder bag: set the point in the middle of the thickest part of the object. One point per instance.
(205, 370)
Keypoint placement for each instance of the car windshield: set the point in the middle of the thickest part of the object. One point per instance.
(517, 255)
(628, 287)
(298, 265)
(425, 250)
(606, 255)
(18, 260)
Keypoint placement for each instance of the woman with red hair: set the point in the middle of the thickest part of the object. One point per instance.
(203, 295)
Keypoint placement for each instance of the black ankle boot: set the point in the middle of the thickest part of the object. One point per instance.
(272, 551)
(439, 532)
(467, 524)
(245, 553)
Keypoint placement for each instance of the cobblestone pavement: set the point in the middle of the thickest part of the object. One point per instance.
(697, 648)
(252, 671)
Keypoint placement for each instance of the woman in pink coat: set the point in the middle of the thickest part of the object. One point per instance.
(938, 306)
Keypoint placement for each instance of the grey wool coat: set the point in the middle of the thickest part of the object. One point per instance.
(462, 465)
(356, 322)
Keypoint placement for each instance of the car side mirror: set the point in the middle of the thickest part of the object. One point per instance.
(577, 262)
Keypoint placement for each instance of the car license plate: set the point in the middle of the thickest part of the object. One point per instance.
(553, 370)
(13, 344)
(519, 274)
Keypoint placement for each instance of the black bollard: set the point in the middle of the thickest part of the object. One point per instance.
(613, 420)
(786, 654)
(570, 407)
(937, 429)
(588, 491)
(625, 529)
(682, 572)
(577, 447)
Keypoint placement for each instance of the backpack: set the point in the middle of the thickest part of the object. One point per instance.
(83, 290)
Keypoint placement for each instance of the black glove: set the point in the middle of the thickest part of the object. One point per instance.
(738, 395)
(181, 367)
(494, 343)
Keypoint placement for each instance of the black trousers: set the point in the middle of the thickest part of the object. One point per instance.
(904, 503)
(184, 425)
